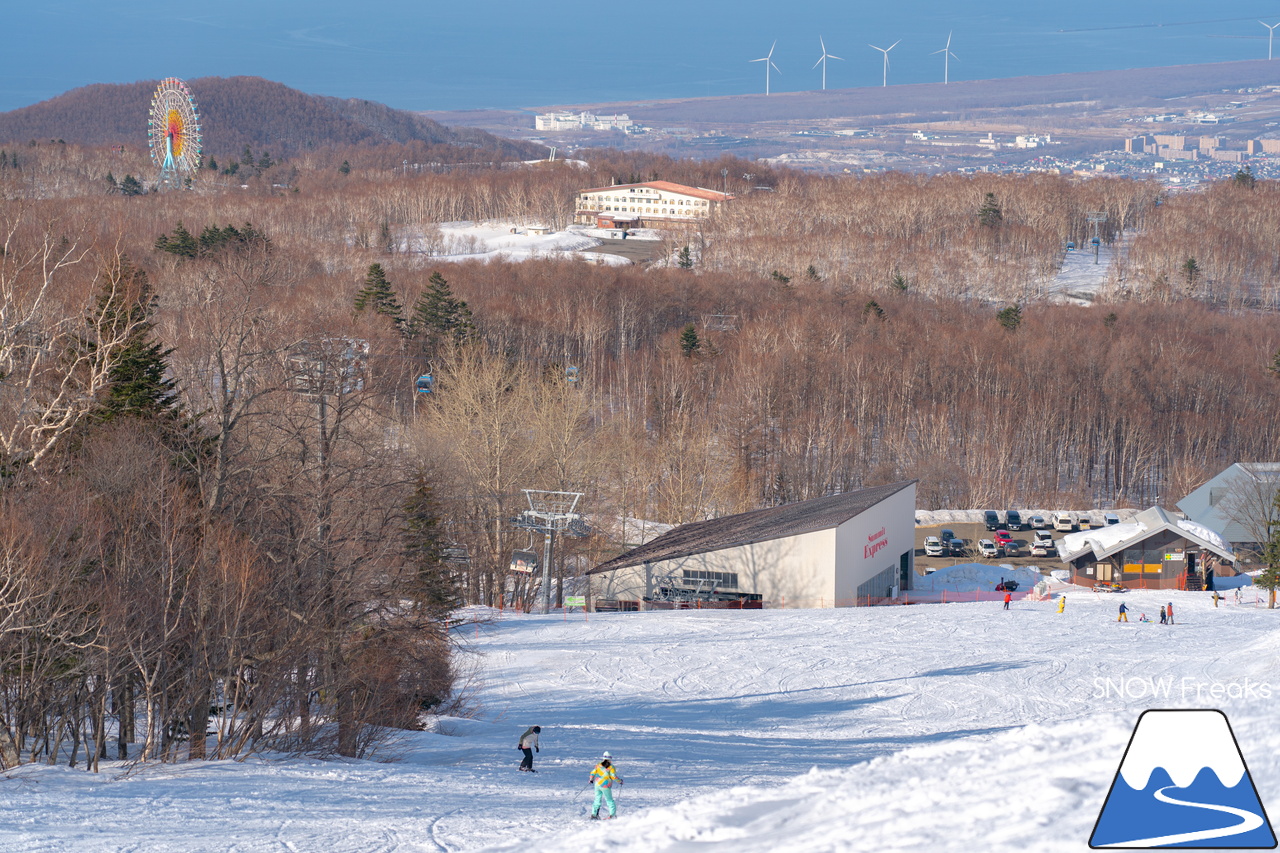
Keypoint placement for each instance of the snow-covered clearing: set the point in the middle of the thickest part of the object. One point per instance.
(1082, 276)
(510, 241)
(955, 727)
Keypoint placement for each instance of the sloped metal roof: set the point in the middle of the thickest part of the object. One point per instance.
(1105, 541)
(760, 525)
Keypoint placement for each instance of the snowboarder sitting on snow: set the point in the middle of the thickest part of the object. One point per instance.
(603, 777)
(529, 744)
(1124, 613)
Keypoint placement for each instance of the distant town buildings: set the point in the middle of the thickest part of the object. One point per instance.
(584, 121)
(1168, 146)
(648, 205)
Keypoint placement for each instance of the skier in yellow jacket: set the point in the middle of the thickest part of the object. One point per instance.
(603, 777)
(1062, 603)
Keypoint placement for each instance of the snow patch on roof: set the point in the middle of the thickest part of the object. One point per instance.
(1205, 534)
(1099, 540)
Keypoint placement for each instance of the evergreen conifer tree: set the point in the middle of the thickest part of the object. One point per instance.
(424, 549)
(377, 296)
(182, 243)
(1010, 318)
(438, 317)
(990, 214)
(139, 385)
(689, 343)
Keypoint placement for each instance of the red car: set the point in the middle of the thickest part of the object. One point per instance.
(1002, 538)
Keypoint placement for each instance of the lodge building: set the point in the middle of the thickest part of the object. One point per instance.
(653, 204)
(1156, 550)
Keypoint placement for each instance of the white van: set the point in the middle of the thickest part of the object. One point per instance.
(1062, 521)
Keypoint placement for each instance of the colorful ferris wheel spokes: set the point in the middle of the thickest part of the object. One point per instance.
(173, 132)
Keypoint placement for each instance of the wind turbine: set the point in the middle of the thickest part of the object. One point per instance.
(1271, 28)
(947, 55)
(768, 62)
(885, 51)
(822, 60)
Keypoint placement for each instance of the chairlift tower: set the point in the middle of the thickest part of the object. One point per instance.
(1095, 218)
(550, 513)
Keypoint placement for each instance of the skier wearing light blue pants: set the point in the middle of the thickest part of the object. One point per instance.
(603, 777)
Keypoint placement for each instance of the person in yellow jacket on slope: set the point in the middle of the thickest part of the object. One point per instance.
(603, 777)
(1062, 604)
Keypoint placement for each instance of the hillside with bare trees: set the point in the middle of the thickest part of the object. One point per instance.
(266, 116)
(220, 488)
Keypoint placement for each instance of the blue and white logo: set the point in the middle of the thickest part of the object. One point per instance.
(1183, 783)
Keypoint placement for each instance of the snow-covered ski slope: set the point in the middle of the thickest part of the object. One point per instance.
(955, 727)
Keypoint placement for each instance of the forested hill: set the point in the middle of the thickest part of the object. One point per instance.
(250, 111)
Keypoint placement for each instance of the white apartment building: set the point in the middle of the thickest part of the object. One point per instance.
(647, 205)
(582, 121)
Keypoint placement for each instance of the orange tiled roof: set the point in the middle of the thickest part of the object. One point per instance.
(667, 186)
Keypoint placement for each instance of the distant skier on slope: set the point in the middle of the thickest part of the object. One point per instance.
(1062, 603)
(1124, 613)
(1164, 616)
(1007, 598)
(603, 777)
(528, 745)
(1170, 612)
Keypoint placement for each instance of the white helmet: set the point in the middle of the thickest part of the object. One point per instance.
(606, 754)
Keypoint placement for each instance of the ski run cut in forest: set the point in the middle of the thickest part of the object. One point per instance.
(266, 436)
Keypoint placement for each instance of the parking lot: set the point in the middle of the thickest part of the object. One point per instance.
(971, 533)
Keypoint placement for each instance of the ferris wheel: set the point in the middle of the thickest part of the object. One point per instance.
(173, 132)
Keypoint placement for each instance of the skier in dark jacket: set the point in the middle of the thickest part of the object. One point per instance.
(1124, 613)
(529, 744)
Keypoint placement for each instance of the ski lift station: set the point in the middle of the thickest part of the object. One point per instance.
(843, 550)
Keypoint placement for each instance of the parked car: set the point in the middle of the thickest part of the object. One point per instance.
(933, 546)
(1042, 536)
(947, 535)
(1013, 520)
(987, 548)
(1062, 521)
(1002, 538)
(1010, 548)
(1044, 548)
(1111, 518)
(992, 519)
(1084, 522)
(1038, 522)
(956, 547)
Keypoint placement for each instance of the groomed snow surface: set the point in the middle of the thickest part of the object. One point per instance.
(957, 727)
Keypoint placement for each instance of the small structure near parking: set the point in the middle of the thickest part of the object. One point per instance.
(1154, 551)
